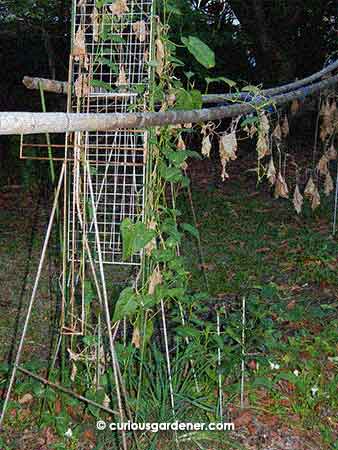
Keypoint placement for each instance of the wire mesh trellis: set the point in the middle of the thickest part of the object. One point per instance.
(109, 73)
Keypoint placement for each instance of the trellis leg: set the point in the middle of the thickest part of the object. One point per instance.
(31, 303)
(171, 390)
(106, 306)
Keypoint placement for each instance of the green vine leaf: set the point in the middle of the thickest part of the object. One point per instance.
(126, 304)
(101, 84)
(190, 229)
(202, 53)
(171, 174)
(225, 80)
(187, 332)
(135, 236)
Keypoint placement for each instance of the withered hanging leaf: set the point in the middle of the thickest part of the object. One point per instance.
(119, 7)
(180, 143)
(95, 23)
(309, 188)
(122, 78)
(152, 244)
(281, 188)
(106, 401)
(154, 280)
(297, 199)
(81, 86)
(140, 30)
(206, 146)
(328, 184)
(136, 337)
(160, 53)
(79, 48)
(323, 165)
(271, 173)
(294, 107)
(227, 150)
(264, 124)
(331, 153)
(327, 127)
(73, 372)
(262, 147)
(285, 127)
(277, 132)
(315, 199)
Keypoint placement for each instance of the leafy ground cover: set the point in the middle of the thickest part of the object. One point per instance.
(254, 247)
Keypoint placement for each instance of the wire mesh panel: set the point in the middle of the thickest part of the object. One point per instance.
(109, 74)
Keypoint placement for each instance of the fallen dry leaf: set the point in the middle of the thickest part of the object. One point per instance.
(26, 398)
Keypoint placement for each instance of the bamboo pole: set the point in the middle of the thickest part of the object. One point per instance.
(35, 123)
(60, 87)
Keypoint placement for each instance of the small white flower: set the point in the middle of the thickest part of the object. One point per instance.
(314, 390)
(69, 433)
(274, 366)
(296, 372)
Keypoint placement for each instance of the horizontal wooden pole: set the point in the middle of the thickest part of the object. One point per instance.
(58, 87)
(35, 123)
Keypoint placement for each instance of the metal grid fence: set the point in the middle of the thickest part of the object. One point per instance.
(109, 73)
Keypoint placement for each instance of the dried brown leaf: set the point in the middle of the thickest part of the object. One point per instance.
(331, 153)
(309, 188)
(152, 244)
(160, 53)
(277, 132)
(154, 280)
(140, 30)
(295, 106)
(26, 398)
(96, 24)
(227, 150)
(328, 184)
(297, 199)
(281, 188)
(262, 147)
(136, 339)
(315, 199)
(285, 127)
(271, 173)
(206, 146)
(122, 78)
(323, 165)
(180, 143)
(119, 7)
(79, 49)
(81, 86)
